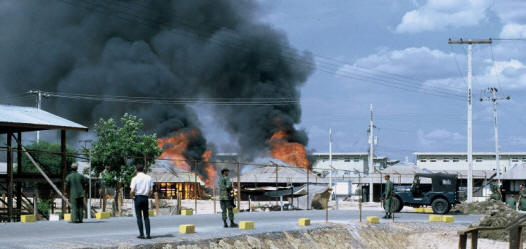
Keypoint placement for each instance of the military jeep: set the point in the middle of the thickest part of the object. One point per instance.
(438, 190)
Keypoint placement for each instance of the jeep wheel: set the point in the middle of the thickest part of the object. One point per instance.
(397, 204)
(440, 206)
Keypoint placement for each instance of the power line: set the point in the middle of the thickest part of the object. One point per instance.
(287, 53)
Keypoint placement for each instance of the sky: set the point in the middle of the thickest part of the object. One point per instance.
(395, 55)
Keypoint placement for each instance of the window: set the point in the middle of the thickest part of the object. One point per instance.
(347, 159)
(446, 181)
(446, 160)
(423, 160)
(347, 173)
(478, 159)
(356, 159)
(455, 159)
(524, 159)
(433, 160)
(515, 160)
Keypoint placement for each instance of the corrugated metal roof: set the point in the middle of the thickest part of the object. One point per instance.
(285, 175)
(20, 118)
(517, 172)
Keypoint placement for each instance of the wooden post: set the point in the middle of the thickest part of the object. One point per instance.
(474, 239)
(63, 162)
(35, 206)
(195, 187)
(156, 196)
(3, 200)
(104, 198)
(276, 183)
(239, 187)
(307, 171)
(9, 179)
(179, 197)
(19, 174)
(515, 237)
(462, 241)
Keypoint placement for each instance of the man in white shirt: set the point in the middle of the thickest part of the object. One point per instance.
(141, 187)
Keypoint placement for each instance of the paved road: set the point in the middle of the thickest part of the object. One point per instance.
(115, 231)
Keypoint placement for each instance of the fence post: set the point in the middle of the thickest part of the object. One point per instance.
(462, 241)
(515, 237)
(307, 171)
(156, 196)
(474, 239)
(195, 187)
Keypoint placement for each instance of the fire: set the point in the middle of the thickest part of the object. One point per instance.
(209, 169)
(289, 152)
(175, 149)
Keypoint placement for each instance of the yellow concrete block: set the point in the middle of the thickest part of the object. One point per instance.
(448, 218)
(27, 218)
(151, 213)
(235, 210)
(67, 217)
(435, 218)
(102, 215)
(304, 222)
(187, 212)
(428, 210)
(187, 228)
(373, 219)
(246, 225)
(419, 210)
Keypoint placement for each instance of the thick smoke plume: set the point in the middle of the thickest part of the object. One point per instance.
(157, 48)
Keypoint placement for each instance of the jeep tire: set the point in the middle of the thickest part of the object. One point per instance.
(397, 204)
(440, 206)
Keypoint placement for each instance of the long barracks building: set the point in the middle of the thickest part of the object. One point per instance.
(446, 161)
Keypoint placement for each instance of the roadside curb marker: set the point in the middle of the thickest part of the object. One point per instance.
(373, 219)
(67, 217)
(304, 222)
(428, 210)
(27, 218)
(435, 218)
(187, 212)
(419, 210)
(246, 225)
(235, 210)
(102, 215)
(151, 213)
(448, 218)
(187, 228)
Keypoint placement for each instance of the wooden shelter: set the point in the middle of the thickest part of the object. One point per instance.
(15, 120)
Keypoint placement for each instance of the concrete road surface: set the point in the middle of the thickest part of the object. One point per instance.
(115, 231)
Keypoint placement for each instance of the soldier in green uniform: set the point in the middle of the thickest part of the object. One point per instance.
(388, 197)
(75, 184)
(225, 198)
(511, 202)
(522, 198)
(495, 191)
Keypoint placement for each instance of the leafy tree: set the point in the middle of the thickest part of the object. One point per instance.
(118, 148)
(48, 157)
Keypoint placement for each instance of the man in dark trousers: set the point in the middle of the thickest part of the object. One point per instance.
(141, 187)
(388, 197)
(226, 198)
(75, 184)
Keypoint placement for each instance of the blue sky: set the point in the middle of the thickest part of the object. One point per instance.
(403, 44)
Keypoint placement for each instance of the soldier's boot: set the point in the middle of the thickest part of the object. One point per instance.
(225, 224)
(386, 216)
(232, 223)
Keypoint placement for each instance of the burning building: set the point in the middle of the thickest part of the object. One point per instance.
(160, 60)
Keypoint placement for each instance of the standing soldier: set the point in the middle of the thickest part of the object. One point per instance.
(388, 197)
(226, 198)
(75, 184)
(522, 198)
(495, 191)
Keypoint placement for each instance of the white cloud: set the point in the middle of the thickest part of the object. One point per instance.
(442, 14)
(513, 30)
(438, 137)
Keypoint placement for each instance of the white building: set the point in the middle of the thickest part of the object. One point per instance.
(345, 163)
(440, 161)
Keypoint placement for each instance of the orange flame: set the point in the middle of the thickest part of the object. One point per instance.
(209, 169)
(175, 147)
(289, 152)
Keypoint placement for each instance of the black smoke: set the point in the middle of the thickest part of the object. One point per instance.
(158, 49)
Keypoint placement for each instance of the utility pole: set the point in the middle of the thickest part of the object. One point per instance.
(470, 110)
(492, 92)
(371, 154)
(330, 157)
(39, 95)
